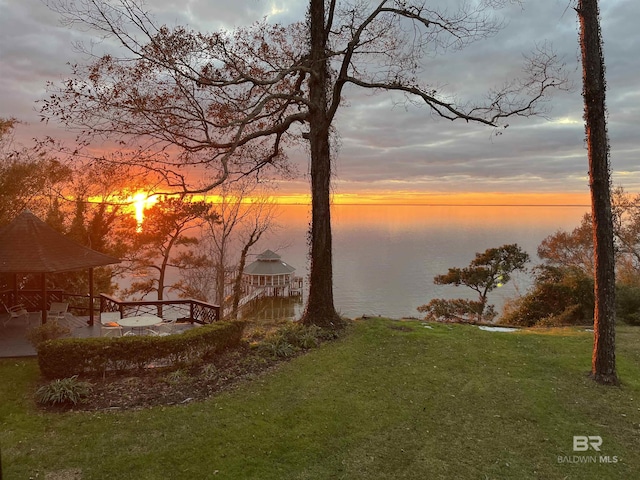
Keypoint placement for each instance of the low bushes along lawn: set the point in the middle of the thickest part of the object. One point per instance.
(390, 400)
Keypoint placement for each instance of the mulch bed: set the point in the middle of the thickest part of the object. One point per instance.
(161, 386)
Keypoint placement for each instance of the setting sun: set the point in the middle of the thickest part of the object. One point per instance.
(140, 202)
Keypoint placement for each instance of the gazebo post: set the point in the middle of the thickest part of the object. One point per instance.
(91, 296)
(44, 298)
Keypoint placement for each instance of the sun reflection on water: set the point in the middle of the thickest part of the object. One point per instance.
(141, 201)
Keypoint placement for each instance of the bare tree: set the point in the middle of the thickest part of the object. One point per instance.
(603, 364)
(260, 220)
(232, 101)
(219, 237)
(243, 214)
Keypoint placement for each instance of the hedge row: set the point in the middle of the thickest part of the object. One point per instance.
(63, 358)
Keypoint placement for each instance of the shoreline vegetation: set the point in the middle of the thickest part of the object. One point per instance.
(387, 399)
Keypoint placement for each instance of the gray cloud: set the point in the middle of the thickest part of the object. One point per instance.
(384, 144)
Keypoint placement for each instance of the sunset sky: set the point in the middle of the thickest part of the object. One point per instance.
(389, 153)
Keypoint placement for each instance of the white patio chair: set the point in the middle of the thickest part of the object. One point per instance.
(109, 325)
(57, 311)
(15, 311)
(166, 327)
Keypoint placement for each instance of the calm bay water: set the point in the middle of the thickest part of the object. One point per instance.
(385, 257)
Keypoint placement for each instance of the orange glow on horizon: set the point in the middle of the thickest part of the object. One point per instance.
(402, 217)
(142, 200)
(414, 203)
(348, 211)
(417, 198)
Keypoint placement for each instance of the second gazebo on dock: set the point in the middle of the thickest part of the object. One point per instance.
(272, 275)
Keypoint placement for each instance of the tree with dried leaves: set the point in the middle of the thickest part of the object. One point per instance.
(29, 177)
(243, 214)
(626, 230)
(231, 102)
(570, 250)
(575, 249)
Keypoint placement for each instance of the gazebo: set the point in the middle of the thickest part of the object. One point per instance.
(29, 245)
(269, 273)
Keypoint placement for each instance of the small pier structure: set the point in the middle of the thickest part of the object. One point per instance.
(271, 276)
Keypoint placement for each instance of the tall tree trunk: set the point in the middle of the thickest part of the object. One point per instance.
(603, 365)
(320, 309)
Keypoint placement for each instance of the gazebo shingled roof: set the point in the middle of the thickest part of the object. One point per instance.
(268, 263)
(29, 245)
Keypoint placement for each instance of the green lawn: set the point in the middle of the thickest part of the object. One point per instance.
(390, 400)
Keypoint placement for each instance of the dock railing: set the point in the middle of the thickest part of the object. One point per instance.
(189, 310)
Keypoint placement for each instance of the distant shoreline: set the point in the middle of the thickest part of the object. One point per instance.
(449, 204)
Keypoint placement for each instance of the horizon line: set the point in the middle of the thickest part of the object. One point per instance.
(375, 204)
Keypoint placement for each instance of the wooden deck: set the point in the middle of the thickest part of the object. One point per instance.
(13, 339)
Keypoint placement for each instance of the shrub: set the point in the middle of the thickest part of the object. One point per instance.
(559, 296)
(64, 391)
(628, 304)
(327, 334)
(457, 310)
(210, 371)
(301, 336)
(278, 346)
(49, 331)
(94, 356)
(547, 305)
(571, 315)
(256, 333)
(176, 377)
(309, 338)
(290, 339)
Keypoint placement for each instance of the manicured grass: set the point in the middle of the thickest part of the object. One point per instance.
(391, 400)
